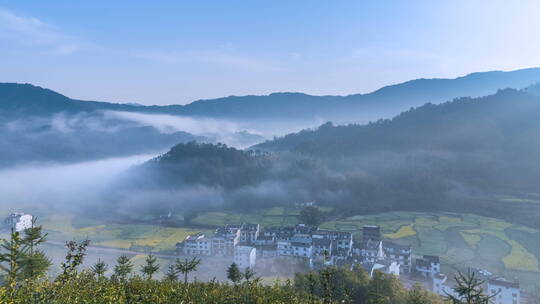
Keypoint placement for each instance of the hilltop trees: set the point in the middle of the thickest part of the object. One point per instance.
(311, 216)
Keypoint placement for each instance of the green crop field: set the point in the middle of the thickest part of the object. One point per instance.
(461, 240)
(133, 236)
(277, 216)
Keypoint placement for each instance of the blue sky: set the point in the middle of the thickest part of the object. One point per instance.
(165, 52)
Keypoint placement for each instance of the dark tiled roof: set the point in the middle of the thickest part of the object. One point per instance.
(272, 247)
(394, 246)
(250, 227)
(431, 258)
(298, 244)
(322, 242)
(423, 263)
(265, 238)
(372, 245)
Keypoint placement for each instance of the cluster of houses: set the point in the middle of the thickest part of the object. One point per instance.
(317, 247)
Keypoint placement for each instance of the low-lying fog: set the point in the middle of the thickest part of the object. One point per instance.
(55, 185)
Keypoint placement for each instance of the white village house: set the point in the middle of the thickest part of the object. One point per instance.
(245, 257)
(19, 221)
(504, 292)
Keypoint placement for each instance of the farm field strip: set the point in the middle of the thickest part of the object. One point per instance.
(460, 240)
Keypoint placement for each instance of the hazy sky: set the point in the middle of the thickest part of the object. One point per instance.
(163, 52)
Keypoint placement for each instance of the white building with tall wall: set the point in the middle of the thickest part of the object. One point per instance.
(197, 244)
(245, 257)
(503, 292)
(19, 221)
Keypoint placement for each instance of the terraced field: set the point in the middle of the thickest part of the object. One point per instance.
(461, 240)
(277, 216)
(135, 236)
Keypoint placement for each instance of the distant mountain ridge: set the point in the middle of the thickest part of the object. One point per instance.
(26, 99)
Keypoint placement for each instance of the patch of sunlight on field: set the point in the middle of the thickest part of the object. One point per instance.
(166, 238)
(470, 238)
(450, 219)
(426, 220)
(122, 244)
(92, 229)
(404, 231)
(482, 231)
(520, 259)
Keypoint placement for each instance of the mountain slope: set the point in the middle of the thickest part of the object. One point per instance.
(468, 124)
(490, 142)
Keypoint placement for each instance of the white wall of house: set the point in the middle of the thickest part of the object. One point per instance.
(19, 221)
(284, 248)
(504, 294)
(245, 256)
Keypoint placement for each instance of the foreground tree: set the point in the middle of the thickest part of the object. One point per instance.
(99, 269)
(417, 295)
(74, 258)
(172, 273)
(335, 284)
(186, 266)
(234, 274)
(35, 263)
(469, 290)
(123, 268)
(151, 267)
(248, 274)
(12, 257)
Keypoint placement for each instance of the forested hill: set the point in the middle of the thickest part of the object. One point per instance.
(26, 99)
(203, 164)
(505, 122)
